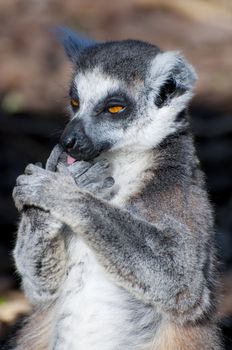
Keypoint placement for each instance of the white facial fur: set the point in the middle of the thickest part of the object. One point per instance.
(153, 124)
(93, 85)
(132, 154)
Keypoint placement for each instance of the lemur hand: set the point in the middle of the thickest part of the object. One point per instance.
(38, 182)
(95, 178)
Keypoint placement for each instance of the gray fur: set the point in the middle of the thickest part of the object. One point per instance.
(135, 266)
(73, 44)
(40, 247)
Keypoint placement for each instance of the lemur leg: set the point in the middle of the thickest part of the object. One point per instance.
(40, 255)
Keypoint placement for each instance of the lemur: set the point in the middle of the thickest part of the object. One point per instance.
(116, 241)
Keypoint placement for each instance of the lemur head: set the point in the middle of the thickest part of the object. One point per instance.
(123, 95)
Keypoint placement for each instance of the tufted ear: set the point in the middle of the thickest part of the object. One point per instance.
(171, 76)
(72, 42)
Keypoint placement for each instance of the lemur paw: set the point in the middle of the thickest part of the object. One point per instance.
(95, 178)
(41, 188)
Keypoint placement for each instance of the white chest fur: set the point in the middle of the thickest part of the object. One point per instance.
(93, 312)
(131, 173)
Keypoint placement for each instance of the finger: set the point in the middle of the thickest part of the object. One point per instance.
(18, 197)
(103, 164)
(22, 180)
(53, 159)
(96, 186)
(98, 170)
(77, 169)
(33, 169)
(84, 180)
(33, 179)
(97, 173)
(62, 169)
(108, 182)
(93, 188)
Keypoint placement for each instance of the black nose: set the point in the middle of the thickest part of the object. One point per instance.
(68, 142)
(75, 141)
(69, 137)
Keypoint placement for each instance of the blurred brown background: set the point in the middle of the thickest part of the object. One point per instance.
(34, 75)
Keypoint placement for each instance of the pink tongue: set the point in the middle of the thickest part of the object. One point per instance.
(70, 160)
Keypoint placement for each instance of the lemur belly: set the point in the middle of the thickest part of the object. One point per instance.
(93, 313)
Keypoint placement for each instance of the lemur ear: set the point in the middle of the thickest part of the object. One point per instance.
(73, 43)
(171, 76)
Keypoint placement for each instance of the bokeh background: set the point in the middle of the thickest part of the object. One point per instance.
(34, 76)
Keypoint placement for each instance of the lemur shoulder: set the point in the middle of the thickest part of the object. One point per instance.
(116, 241)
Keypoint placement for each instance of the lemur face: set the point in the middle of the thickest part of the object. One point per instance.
(102, 107)
(125, 95)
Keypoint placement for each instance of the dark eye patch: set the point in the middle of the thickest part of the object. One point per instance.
(112, 100)
(74, 98)
(115, 101)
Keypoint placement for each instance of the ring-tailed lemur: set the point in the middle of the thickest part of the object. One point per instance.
(119, 255)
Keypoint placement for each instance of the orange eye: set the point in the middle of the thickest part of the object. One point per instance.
(74, 103)
(115, 109)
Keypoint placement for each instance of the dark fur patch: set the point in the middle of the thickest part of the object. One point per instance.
(127, 60)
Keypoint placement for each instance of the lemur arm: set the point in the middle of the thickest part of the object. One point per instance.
(162, 263)
(40, 254)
